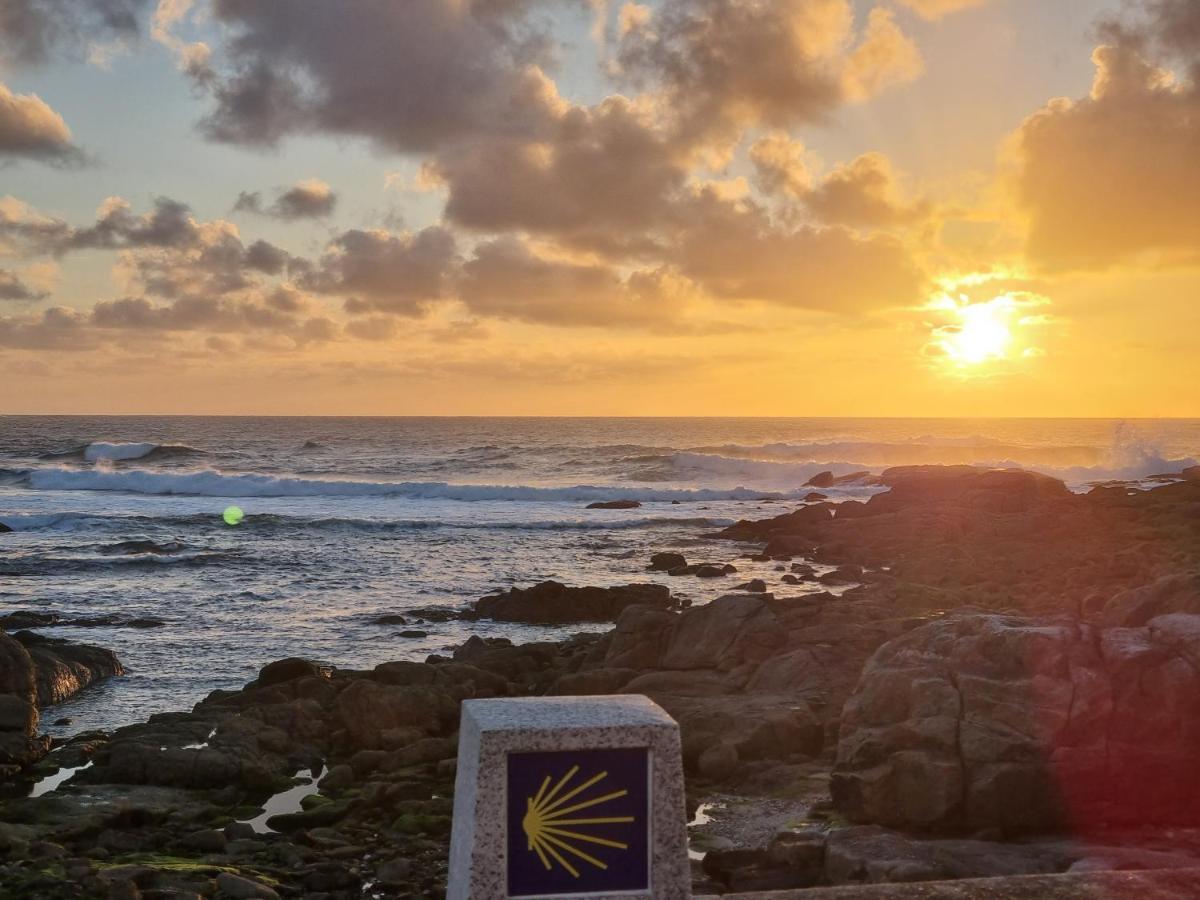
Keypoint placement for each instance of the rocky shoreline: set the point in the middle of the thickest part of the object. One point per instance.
(1007, 687)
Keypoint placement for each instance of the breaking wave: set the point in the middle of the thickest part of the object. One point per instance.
(105, 451)
(213, 483)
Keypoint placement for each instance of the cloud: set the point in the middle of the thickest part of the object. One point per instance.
(211, 314)
(782, 165)
(1112, 177)
(31, 30)
(57, 328)
(30, 129)
(885, 56)
(312, 199)
(386, 272)
(411, 77)
(507, 280)
(862, 192)
(26, 232)
(726, 64)
(936, 9)
(170, 224)
(602, 179)
(736, 251)
(12, 287)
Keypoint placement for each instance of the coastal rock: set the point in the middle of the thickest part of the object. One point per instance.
(287, 670)
(62, 668)
(553, 603)
(20, 745)
(4, 529)
(820, 480)
(1137, 606)
(1019, 725)
(873, 855)
(664, 562)
(615, 504)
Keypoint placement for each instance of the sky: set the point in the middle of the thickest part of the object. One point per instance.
(596, 207)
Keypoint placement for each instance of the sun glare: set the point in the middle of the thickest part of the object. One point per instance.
(984, 334)
(975, 337)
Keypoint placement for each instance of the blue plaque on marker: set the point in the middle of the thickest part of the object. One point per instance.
(578, 822)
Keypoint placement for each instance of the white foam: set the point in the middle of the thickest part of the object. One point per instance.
(214, 483)
(786, 475)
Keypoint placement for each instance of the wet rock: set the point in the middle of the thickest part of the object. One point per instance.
(287, 670)
(550, 602)
(238, 888)
(820, 480)
(615, 504)
(664, 562)
(62, 669)
(718, 762)
(754, 586)
(390, 620)
(394, 872)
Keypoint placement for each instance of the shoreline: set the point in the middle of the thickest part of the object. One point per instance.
(968, 574)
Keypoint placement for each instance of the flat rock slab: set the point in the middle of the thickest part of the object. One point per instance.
(1160, 885)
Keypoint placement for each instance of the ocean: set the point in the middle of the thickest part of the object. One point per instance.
(349, 520)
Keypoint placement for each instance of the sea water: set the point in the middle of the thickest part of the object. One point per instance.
(348, 520)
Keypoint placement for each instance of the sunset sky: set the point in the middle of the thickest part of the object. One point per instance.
(581, 207)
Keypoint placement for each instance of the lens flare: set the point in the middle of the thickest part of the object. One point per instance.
(233, 516)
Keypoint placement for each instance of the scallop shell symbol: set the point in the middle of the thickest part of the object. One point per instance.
(552, 826)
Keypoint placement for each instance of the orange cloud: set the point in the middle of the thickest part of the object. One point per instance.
(29, 128)
(1112, 177)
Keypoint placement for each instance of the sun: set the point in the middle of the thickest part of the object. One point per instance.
(982, 337)
(983, 334)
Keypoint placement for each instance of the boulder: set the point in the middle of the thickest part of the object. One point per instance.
(820, 480)
(732, 630)
(552, 603)
(62, 668)
(664, 562)
(1020, 725)
(753, 586)
(287, 670)
(1137, 606)
(615, 504)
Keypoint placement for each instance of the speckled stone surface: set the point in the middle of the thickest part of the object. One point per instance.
(492, 729)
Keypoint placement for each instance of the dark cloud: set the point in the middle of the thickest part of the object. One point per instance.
(311, 199)
(218, 314)
(411, 76)
(602, 179)
(57, 328)
(13, 288)
(26, 232)
(386, 272)
(507, 280)
(170, 224)
(1112, 177)
(31, 30)
(726, 64)
(30, 129)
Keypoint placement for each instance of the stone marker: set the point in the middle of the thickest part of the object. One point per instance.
(568, 797)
